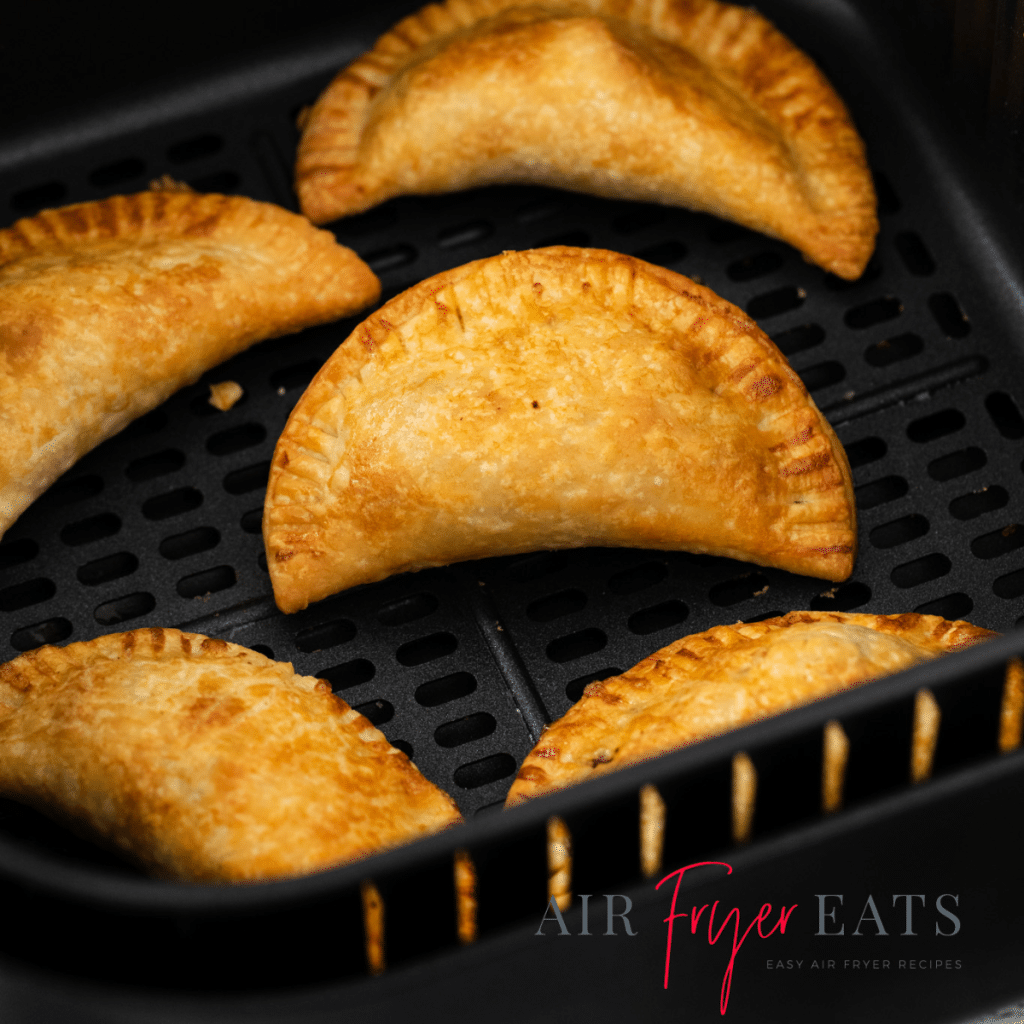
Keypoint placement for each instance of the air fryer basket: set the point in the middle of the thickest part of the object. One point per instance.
(918, 367)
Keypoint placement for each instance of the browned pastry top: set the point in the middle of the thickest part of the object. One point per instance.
(552, 398)
(203, 761)
(729, 676)
(688, 102)
(107, 308)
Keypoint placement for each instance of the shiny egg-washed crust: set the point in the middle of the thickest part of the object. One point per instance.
(724, 678)
(203, 761)
(107, 308)
(552, 398)
(687, 102)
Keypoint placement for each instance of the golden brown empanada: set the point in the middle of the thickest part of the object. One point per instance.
(107, 308)
(688, 102)
(552, 398)
(726, 677)
(204, 761)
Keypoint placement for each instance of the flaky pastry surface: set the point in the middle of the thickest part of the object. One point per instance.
(203, 761)
(691, 103)
(726, 677)
(552, 398)
(107, 308)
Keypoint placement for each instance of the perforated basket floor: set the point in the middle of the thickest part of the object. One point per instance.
(915, 365)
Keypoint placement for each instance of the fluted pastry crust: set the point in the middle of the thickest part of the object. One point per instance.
(107, 308)
(552, 398)
(726, 677)
(203, 761)
(692, 103)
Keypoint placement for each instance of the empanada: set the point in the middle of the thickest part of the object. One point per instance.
(726, 677)
(689, 102)
(552, 398)
(203, 761)
(107, 308)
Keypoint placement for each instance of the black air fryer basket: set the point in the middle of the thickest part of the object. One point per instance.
(920, 369)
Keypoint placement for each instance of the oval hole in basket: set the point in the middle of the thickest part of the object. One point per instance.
(544, 563)
(24, 595)
(209, 581)
(949, 316)
(743, 588)
(170, 460)
(878, 492)
(236, 439)
(407, 609)
(576, 645)
(152, 423)
(938, 424)
(914, 253)
(1009, 586)
(893, 350)
(173, 503)
(85, 531)
(823, 375)
(658, 617)
(16, 552)
(112, 567)
(52, 631)
(377, 711)
(899, 531)
(637, 578)
(465, 730)
(29, 200)
(948, 467)
(724, 232)
(223, 182)
(970, 506)
(952, 607)
(638, 218)
(875, 312)
(348, 674)
(782, 300)
(191, 542)
(998, 542)
(574, 689)
(251, 478)
(195, 148)
(1005, 415)
(121, 609)
(750, 267)
(921, 570)
(298, 375)
(555, 606)
(799, 339)
(67, 492)
(842, 598)
(865, 451)
(114, 173)
(486, 770)
(446, 689)
(663, 253)
(426, 648)
(325, 635)
(252, 521)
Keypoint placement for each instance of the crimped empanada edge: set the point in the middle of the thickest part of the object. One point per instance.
(292, 531)
(741, 45)
(535, 777)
